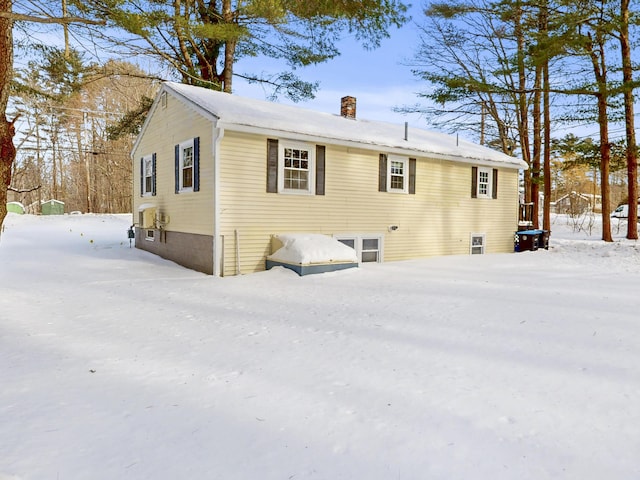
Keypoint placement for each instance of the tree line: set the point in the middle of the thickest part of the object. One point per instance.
(72, 137)
(515, 71)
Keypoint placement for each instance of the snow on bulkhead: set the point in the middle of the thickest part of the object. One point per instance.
(307, 253)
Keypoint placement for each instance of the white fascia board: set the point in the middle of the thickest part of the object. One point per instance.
(194, 106)
(186, 101)
(516, 165)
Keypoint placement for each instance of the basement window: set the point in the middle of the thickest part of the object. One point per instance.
(367, 247)
(477, 243)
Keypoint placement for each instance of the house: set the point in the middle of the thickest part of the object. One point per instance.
(576, 203)
(216, 176)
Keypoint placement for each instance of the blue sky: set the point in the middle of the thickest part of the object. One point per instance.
(377, 78)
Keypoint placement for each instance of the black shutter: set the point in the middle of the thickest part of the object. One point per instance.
(177, 165)
(494, 193)
(382, 173)
(142, 176)
(474, 182)
(320, 161)
(153, 174)
(272, 166)
(196, 164)
(412, 176)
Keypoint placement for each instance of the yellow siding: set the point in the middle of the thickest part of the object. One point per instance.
(437, 220)
(187, 212)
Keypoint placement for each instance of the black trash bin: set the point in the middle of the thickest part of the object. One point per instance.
(527, 240)
(543, 241)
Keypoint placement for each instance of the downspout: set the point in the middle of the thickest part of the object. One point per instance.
(217, 135)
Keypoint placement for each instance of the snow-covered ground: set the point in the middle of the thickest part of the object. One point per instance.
(116, 364)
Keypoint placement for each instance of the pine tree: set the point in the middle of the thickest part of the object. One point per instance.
(203, 41)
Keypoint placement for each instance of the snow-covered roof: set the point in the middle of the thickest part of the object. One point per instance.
(233, 112)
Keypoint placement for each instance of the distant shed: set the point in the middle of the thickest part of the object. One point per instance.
(15, 207)
(52, 207)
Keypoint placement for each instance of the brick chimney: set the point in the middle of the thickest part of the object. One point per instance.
(348, 107)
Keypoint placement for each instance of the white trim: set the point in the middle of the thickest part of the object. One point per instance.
(358, 239)
(165, 88)
(181, 148)
(311, 164)
(488, 183)
(475, 246)
(405, 173)
(145, 159)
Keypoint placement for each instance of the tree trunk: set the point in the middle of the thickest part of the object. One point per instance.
(632, 158)
(229, 50)
(7, 131)
(605, 158)
(523, 107)
(597, 54)
(537, 145)
(546, 222)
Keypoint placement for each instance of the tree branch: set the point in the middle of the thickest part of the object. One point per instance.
(19, 17)
(23, 190)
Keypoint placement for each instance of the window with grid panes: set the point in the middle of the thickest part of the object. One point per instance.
(296, 169)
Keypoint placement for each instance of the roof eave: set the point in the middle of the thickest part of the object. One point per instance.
(516, 165)
(166, 87)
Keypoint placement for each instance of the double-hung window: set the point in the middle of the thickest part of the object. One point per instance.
(296, 168)
(484, 182)
(397, 174)
(187, 159)
(186, 167)
(148, 175)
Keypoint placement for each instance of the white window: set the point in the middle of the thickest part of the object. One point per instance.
(295, 164)
(185, 173)
(150, 235)
(485, 176)
(148, 175)
(477, 243)
(370, 251)
(397, 174)
(367, 247)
